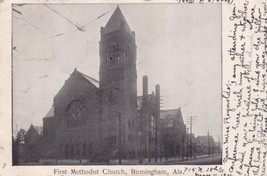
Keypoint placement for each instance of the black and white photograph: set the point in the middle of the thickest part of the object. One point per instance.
(116, 84)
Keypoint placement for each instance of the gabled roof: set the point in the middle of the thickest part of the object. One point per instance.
(204, 140)
(117, 22)
(74, 79)
(180, 116)
(86, 77)
(90, 79)
(50, 113)
(38, 129)
(172, 114)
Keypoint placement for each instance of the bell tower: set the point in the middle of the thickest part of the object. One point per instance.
(118, 87)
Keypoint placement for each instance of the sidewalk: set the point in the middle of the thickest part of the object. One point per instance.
(162, 161)
(159, 162)
(175, 159)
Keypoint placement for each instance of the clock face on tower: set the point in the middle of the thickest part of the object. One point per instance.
(75, 108)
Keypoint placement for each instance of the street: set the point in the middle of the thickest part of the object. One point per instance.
(200, 160)
(212, 160)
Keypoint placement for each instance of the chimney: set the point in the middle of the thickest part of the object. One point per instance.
(157, 87)
(145, 88)
(158, 95)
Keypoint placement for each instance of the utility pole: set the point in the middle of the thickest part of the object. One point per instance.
(191, 137)
(119, 138)
(209, 142)
(166, 146)
(80, 144)
(187, 148)
(140, 150)
(149, 138)
(191, 133)
(160, 145)
(157, 120)
(183, 140)
(219, 145)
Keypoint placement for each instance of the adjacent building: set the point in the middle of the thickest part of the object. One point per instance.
(205, 145)
(172, 133)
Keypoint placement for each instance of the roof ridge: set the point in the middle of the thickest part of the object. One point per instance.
(87, 76)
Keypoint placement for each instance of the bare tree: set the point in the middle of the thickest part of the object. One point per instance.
(18, 145)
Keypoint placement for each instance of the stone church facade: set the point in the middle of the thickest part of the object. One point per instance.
(72, 129)
(101, 120)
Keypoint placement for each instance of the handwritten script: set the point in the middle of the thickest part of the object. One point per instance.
(244, 91)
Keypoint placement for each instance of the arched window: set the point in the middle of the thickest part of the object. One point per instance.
(75, 109)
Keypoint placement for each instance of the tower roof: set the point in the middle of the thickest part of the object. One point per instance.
(116, 22)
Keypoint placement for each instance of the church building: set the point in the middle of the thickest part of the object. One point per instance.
(102, 120)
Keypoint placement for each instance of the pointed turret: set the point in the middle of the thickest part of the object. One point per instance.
(116, 22)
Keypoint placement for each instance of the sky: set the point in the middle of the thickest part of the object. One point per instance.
(178, 47)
